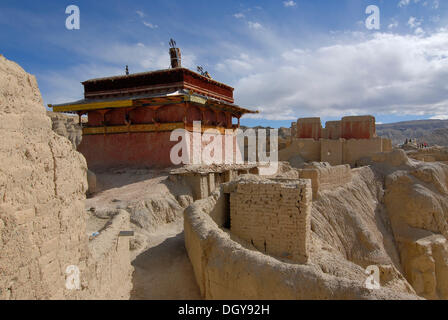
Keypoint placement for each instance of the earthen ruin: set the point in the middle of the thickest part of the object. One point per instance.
(309, 231)
(340, 142)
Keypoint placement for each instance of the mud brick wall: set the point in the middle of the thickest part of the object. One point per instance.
(274, 217)
(326, 178)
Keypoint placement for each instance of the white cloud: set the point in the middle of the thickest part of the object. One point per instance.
(239, 15)
(254, 25)
(403, 3)
(383, 74)
(435, 4)
(141, 14)
(150, 25)
(393, 24)
(440, 117)
(419, 31)
(289, 3)
(413, 22)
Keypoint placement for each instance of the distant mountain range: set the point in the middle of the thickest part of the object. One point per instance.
(433, 132)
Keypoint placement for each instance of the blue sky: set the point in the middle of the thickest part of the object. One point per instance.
(288, 59)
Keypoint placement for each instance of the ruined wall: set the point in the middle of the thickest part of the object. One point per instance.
(358, 127)
(308, 149)
(309, 128)
(355, 127)
(340, 142)
(274, 217)
(42, 192)
(326, 177)
(335, 152)
(110, 261)
(430, 154)
(204, 180)
(225, 269)
(332, 151)
(333, 130)
(355, 150)
(67, 126)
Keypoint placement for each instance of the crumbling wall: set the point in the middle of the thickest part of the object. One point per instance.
(432, 154)
(274, 217)
(225, 269)
(43, 183)
(355, 150)
(67, 126)
(332, 151)
(324, 177)
(110, 260)
(308, 149)
(358, 127)
(309, 128)
(335, 152)
(340, 142)
(204, 180)
(354, 127)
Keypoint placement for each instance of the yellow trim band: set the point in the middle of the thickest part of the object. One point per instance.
(92, 106)
(146, 128)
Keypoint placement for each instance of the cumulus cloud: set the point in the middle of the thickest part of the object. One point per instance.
(382, 74)
(289, 3)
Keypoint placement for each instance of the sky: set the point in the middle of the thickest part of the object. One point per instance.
(287, 59)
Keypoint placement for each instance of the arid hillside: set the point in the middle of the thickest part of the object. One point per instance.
(433, 132)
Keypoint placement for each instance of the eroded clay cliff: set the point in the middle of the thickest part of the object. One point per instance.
(43, 184)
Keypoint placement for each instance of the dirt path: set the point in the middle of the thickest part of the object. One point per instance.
(162, 270)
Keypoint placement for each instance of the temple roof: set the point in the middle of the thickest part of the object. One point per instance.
(153, 73)
(156, 82)
(179, 96)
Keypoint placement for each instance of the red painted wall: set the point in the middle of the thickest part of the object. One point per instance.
(309, 130)
(129, 149)
(142, 115)
(364, 129)
(141, 149)
(95, 119)
(132, 149)
(170, 113)
(115, 117)
(350, 128)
